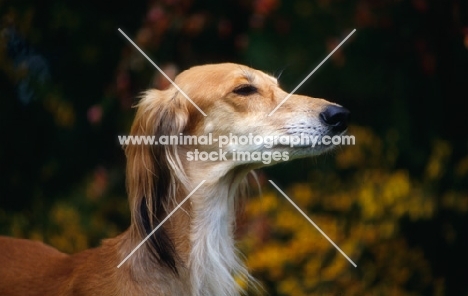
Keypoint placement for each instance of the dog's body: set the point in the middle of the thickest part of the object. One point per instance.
(193, 253)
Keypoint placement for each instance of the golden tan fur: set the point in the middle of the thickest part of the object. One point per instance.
(193, 253)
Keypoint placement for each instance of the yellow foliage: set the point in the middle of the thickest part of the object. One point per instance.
(63, 112)
(267, 203)
(369, 152)
(440, 152)
(462, 168)
(303, 195)
(361, 214)
(330, 272)
(455, 201)
(70, 236)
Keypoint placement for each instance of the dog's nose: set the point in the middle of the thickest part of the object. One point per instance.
(336, 117)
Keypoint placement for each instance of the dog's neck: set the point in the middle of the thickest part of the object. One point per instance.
(213, 260)
(202, 231)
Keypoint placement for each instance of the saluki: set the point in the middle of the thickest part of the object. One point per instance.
(193, 252)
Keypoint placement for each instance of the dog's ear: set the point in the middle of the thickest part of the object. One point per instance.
(155, 171)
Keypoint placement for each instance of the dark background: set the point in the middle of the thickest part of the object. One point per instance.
(68, 80)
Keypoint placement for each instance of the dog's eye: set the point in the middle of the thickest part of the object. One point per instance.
(245, 90)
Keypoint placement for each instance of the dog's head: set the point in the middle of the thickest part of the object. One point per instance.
(241, 101)
(231, 105)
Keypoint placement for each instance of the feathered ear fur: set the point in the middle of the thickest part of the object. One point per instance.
(154, 172)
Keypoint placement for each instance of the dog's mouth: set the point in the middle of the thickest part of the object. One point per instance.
(325, 138)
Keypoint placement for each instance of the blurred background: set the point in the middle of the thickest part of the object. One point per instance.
(396, 202)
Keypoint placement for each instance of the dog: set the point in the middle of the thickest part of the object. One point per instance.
(193, 252)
